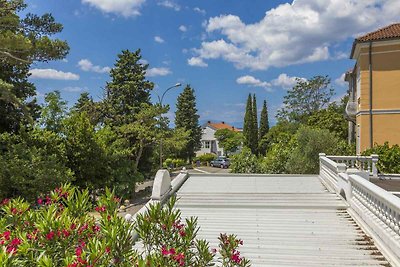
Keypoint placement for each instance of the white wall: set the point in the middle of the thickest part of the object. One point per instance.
(208, 135)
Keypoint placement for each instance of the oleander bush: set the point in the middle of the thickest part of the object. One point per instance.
(65, 229)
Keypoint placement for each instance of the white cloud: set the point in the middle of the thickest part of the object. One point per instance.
(251, 81)
(170, 4)
(300, 32)
(158, 39)
(126, 8)
(286, 81)
(87, 65)
(74, 89)
(196, 61)
(283, 81)
(199, 10)
(183, 28)
(340, 80)
(158, 72)
(52, 74)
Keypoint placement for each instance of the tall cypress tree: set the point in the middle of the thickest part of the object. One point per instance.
(254, 129)
(186, 117)
(248, 123)
(264, 122)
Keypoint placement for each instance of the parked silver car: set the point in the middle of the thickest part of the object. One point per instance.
(221, 162)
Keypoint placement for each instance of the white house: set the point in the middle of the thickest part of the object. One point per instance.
(209, 144)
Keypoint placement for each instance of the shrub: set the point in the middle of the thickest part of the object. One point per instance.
(245, 162)
(174, 163)
(170, 242)
(31, 163)
(278, 154)
(61, 230)
(206, 158)
(310, 142)
(389, 157)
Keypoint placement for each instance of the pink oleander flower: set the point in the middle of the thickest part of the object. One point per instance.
(50, 235)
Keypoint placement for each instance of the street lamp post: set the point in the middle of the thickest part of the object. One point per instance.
(160, 99)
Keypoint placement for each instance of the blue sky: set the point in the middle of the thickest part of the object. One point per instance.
(223, 49)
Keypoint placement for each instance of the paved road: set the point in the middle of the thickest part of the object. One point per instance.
(204, 169)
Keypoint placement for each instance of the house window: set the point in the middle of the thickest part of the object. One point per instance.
(207, 144)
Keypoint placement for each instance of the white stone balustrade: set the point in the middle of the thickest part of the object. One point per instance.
(380, 202)
(377, 210)
(362, 163)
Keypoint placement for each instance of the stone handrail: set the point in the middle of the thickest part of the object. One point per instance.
(376, 210)
(329, 171)
(380, 212)
(163, 189)
(384, 205)
(362, 163)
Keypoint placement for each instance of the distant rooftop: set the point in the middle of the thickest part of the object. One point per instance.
(222, 125)
(388, 32)
(383, 34)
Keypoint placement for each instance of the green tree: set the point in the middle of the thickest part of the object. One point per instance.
(245, 162)
(264, 128)
(32, 162)
(306, 98)
(174, 141)
(186, 117)
(254, 129)
(332, 119)
(229, 140)
(86, 158)
(24, 41)
(128, 89)
(248, 123)
(264, 121)
(124, 96)
(281, 145)
(310, 142)
(53, 112)
(86, 104)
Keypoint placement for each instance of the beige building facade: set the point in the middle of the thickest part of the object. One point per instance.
(374, 86)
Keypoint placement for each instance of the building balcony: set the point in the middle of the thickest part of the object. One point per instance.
(351, 109)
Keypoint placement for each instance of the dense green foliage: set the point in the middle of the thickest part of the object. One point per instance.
(31, 163)
(250, 125)
(229, 140)
(245, 162)
(309, 143)
(23, 41)
(389, 157)
(306, 98)
(307, 125)
(205, 158)
(186, 118)
(254, 128)
(264, 128)
(62, 231)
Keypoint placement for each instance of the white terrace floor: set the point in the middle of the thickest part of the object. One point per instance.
(283, 220)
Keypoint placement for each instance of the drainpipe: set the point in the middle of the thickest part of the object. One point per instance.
(371, 138)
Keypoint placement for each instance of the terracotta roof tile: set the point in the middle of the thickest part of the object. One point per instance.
(223, 125)
(388, 32)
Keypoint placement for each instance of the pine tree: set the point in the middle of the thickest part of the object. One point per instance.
(248, 123)
(186, 117)
(264, 122)
(128, 89)
(23, 42)
(254, 129)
